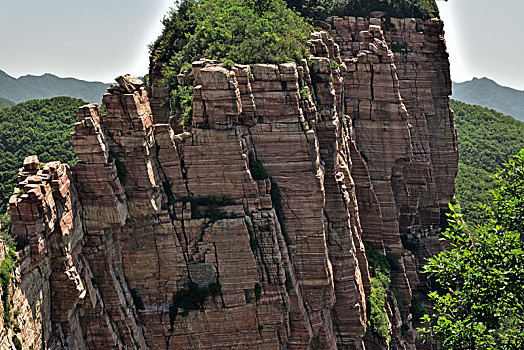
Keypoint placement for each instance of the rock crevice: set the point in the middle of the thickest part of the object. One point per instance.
(247, 229)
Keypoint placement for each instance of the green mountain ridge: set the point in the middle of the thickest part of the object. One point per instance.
(487, 93)
(31, 87)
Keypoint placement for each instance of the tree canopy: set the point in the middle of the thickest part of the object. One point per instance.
(240, 31)
(486, 140)
(321, 9)
(479, 303)
(40, 127)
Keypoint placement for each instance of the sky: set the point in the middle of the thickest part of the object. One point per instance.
(485, 39)
(94, 40)
(97, 40)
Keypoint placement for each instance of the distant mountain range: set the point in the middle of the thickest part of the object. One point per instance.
(483, 92)
(487, 93)
(30, 87)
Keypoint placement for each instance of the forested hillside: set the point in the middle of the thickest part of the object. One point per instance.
(4, 103)
(487, 139)
(38, 127)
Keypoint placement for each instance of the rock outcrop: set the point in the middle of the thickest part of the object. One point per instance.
(247, 229)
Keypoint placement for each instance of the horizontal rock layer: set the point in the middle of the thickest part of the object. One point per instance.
(246, 230)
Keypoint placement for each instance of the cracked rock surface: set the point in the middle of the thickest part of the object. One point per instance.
(247, 230)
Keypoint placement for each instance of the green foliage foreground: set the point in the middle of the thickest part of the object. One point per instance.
(480, 300)
(486, 140)
(40, 127)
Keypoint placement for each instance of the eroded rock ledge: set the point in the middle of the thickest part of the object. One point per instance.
(246, 231)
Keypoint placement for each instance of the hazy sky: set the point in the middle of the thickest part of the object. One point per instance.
(485, 38)
(86, 39)
(100, 39)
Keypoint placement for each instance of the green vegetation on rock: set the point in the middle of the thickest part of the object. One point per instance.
(257, 169)
(486, 140)
(480, 300)
(212, 204)
(6, 270)
(240, 31)
(321, 9)
(40, 127)
(192, 298)
(379, 271)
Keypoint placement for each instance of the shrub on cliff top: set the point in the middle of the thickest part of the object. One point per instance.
(321, 9)
(241, 31)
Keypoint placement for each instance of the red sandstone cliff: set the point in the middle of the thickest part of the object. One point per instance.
(163, 239)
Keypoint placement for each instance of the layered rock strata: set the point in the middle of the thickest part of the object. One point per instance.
(246, 230)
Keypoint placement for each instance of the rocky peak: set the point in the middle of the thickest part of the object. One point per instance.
(246, 228)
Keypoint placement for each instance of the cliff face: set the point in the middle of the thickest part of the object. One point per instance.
(247, 230)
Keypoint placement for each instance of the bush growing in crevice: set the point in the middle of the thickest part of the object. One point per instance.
(6, 270)
(192, 298)
(121, 171)
(417, 310)
(137, 299)
(16, 342)
(213, 204)
(304, 94)
(219, 201)
(257, 169)
(258, 291)
(228, 30)
(400, 47)
(253, 241)
(379, 270)
(276, 199)
(168, 190)
(363, 155)
(183, 99)
(289, 282)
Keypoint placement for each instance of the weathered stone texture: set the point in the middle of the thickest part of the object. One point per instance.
(245, 230)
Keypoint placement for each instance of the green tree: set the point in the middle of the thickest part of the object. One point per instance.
(486, 140)
(40, 127)
(479, 303)
(239, 31)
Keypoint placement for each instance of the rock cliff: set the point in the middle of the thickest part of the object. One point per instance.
(246, 230)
